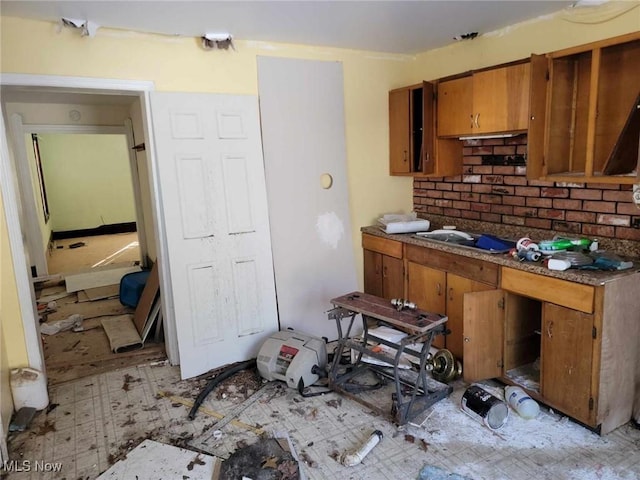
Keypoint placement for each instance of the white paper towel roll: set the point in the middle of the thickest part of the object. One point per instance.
(407, 227)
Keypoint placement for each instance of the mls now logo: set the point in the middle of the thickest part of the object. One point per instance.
(29, 466)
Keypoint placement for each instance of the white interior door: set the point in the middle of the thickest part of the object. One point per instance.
(302, 113)
(213, 200)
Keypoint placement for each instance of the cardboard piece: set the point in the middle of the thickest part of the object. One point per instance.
(122, 333)
(97, 278)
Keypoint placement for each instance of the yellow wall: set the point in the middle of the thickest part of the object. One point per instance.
(179, 64)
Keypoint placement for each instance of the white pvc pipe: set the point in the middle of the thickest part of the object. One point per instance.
(352, 459)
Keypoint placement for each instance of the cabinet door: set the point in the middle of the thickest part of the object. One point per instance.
(399, 131)
(372, 272)
(483, 335)
(455, 105)
(426, 287)
(456, 288)
(501, 99)
(537, 119)
(567, 361)
(392, 277)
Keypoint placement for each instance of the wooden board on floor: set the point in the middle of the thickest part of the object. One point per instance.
(147, 299)
(111, 306)
(97, 278)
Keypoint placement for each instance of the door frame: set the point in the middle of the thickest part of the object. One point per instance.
(18, 131)
(11, 201)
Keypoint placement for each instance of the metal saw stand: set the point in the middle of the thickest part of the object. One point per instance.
(414, 391)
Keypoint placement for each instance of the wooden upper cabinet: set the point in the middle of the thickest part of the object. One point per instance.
(585, 124)
(399, 149)
(501, 99)
(414, 148)
(455, 107)
(489, 101)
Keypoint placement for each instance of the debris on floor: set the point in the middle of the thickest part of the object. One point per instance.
(152, 460)
(429, 472)
(267, 459)
(22, 419)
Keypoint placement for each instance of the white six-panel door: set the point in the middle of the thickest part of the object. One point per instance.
(214, 206)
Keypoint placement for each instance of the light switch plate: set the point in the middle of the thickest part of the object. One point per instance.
(636, 194)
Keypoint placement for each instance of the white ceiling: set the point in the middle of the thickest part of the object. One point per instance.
(394, 26)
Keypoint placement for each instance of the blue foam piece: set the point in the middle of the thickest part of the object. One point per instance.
(491, 242)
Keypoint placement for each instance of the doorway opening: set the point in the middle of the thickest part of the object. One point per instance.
(86, 203)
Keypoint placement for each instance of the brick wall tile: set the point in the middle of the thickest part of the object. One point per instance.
(466, 151)
(456, 179)
(521, 150)
(516, 140)
(508, 200)
(451, 195)
(586, 194)
(521, 170)
(504, 170)
(506, 150)
(582, 217)
(525, 212)
(512, 220)
(490, 217)
(565, 204)
(539, 202)
(605, 186)
(490, 198)
(628, 233)
(569, 185)
(481, 188)
(473, 160)
(443, 203)
(470, 215)
(494, 179)
(472, 142)
(554, 192)
(434, 194)
(502, 190)
(502, 209)
(482, 150)
(444, 186)
(541, 183)
(483, 169)
(452, 212)
(552, 214)
(601, 207)
(470, 197)
(480, 207)
(617, 220)
(515, 180)
(461, 187)
(617, 196)
(527, 191)
(462, 205)
(571, 227)
(597, 230)
(627, 209)
(538, 223)
(493, 141)
(435, 210)
(472, 178)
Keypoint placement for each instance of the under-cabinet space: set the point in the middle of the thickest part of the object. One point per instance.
(522, 330)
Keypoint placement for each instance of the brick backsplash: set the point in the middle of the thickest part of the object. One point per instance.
(502, 194)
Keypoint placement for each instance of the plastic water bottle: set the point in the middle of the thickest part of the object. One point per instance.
(522, 403)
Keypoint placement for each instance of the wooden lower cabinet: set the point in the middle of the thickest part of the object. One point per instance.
(567, 361)
(383, 267)
(437, 291)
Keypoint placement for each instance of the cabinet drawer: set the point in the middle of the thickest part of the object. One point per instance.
(382, 245)
(450, 262)
(561, 292)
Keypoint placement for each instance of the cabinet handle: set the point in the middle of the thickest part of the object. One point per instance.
(384, 271)
(467, 339)
(451, 293)
(477, 120)
(471, 120)
(405, 156)
(438, 289)
(549, 327)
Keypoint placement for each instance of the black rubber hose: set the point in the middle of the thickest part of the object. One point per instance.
(213, 383)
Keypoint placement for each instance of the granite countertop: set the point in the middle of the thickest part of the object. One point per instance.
(588, 277)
